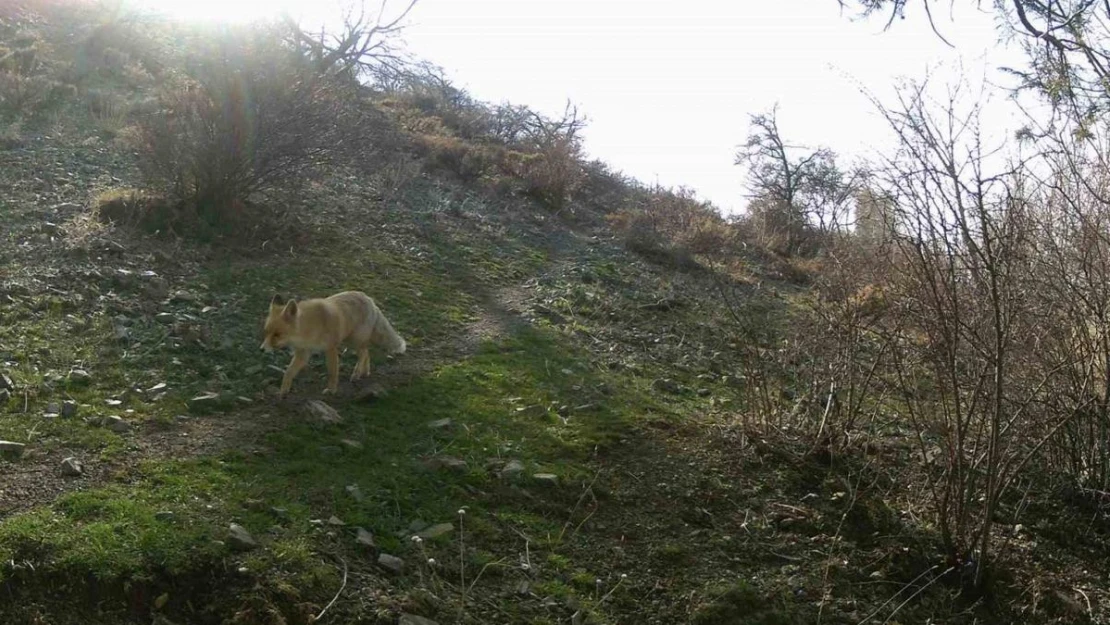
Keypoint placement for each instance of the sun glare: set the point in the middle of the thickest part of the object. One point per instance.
(225, 11)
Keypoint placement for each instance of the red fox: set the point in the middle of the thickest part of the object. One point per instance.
(322, 325)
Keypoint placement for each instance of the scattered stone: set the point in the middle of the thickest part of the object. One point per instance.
(523, 588)
(239, 538)
(322, 412)
(183, 297)
(280, 513)
(123, 277)
(447, 463)
(370, 394)
(416, 525)
(439, 425)
(548, 479)
(157, 388)
(53, 408)
(116, 424)
(157, 288)
(437, 530)
(164, 516)
(122, 333)
(512, 469)
(79, 376)
(69, 409)
(355, 492)
(336, 522)
(412, 619)
(72, 467)
(364, 538)
(704, 392)
(351, 444)
(393, 564)
(165, 318)
(205, 403)
(257, 505)
(113, 402)
(667, 385)
(11, 449)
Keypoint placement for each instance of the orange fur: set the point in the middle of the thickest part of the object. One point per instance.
(324, 325)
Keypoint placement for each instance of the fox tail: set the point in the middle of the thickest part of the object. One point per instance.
(387, 337)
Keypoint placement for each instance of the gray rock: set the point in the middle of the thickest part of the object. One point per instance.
(322, 412)
(355, 492)
(165, 318)
(116, 424)
(336, 522)
(437, 530)
(11, 449)
(364, 538)
(412, 619)
(512, 469)
(122, 333)
(280, 513)
(183, 297)
(416, 525)
(69, 409)
(393, 564)
(439, 425)
(79, 376)
(239, 538)
(206, 402)
(667, 385)
(351, 444)
(548, 479)
(157, 288)
(72, 467)
(448, 463)
(704, 392)
(53, 408)
(164, 516)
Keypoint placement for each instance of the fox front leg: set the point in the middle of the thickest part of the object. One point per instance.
(300, 358)
(333, 370)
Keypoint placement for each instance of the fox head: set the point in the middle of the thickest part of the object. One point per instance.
(280, 323)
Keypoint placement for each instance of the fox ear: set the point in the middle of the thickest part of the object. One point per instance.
(278, 300)
(290, 309)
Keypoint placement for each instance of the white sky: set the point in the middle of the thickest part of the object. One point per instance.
(668, 85)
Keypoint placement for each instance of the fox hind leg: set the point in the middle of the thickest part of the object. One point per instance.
(362, 369)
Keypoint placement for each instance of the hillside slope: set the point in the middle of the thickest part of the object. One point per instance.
(570, 435)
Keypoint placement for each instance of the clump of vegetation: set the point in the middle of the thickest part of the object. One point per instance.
(252, 115)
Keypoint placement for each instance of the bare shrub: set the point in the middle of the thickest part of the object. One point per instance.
(253, 116)
(28, 86)
(970, 369)
(674, 226)
(468, 161)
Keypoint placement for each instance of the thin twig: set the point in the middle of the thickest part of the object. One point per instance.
(336, 597)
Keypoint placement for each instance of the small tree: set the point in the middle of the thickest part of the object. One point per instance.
(798, 194)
